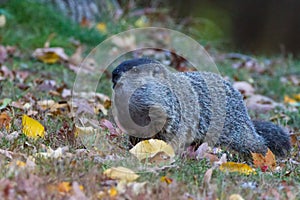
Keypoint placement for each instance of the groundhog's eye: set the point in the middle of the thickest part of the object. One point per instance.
(135, 70)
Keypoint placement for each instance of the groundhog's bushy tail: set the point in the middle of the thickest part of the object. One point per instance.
(275, 137)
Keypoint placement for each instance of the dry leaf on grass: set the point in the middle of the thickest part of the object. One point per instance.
(101, 27)
(121, 173)
(264, 162)
(245, 88)
(261, 103)
(166, 180)
(236, 197)
(64, 187)
(5, 121)
(237, 167)
(154, 150)
(2, 21)
(52, 153)
(32, 128)
(50, 55)
(207, 176)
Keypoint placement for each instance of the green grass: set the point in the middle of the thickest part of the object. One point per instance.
(30, 23)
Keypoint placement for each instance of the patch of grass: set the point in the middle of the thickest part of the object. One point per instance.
(30, 23)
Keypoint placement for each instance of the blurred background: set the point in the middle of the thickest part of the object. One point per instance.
(267, 26)
(250, 26)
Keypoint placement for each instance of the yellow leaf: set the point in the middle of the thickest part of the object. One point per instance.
(101, 27)
(112, 192)
(121, 173)
(49, 58)
(64, 187)
(166, 180)
(150, 148)
(141, 22)
(20, 163)
(32, 128)
(50, 55)
(287, 99)
(297, 97)
(237, 167)
(264, 162)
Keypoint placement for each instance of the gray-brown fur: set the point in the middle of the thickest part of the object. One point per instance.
(187, 100)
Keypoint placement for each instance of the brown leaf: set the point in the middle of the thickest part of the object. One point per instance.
(112, 130)
(295, 138)
(6, 73)
(3, 54)
(207, 176)
(264, 162)
(76, 58)
(261, 103)
(5, 120)
(245, 88)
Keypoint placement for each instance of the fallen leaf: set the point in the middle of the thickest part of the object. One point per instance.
(289, 100)
(121, 173)
(50, 55)
(148, 149)
(52, 153)
(237, 167)
(261, 103)
(166, 180)
(5, 120)
(297, 97)
(236, 197)
(76, 58)
(112, 130)
(2, 21)
(245, 88)
(295, 139)
(64, 187)
(3, 54)
(7, 154)
(207, 176)
(112, 192)
(141, 22)
(127, 42)
(264, 162)
(20, 163)
(32, 128)
(222, 160)
(101, 27)
(45, 104)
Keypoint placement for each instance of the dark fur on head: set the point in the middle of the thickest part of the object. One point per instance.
(128, 65)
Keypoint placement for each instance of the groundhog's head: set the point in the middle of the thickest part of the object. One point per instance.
(137, 68)
(139, 90)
